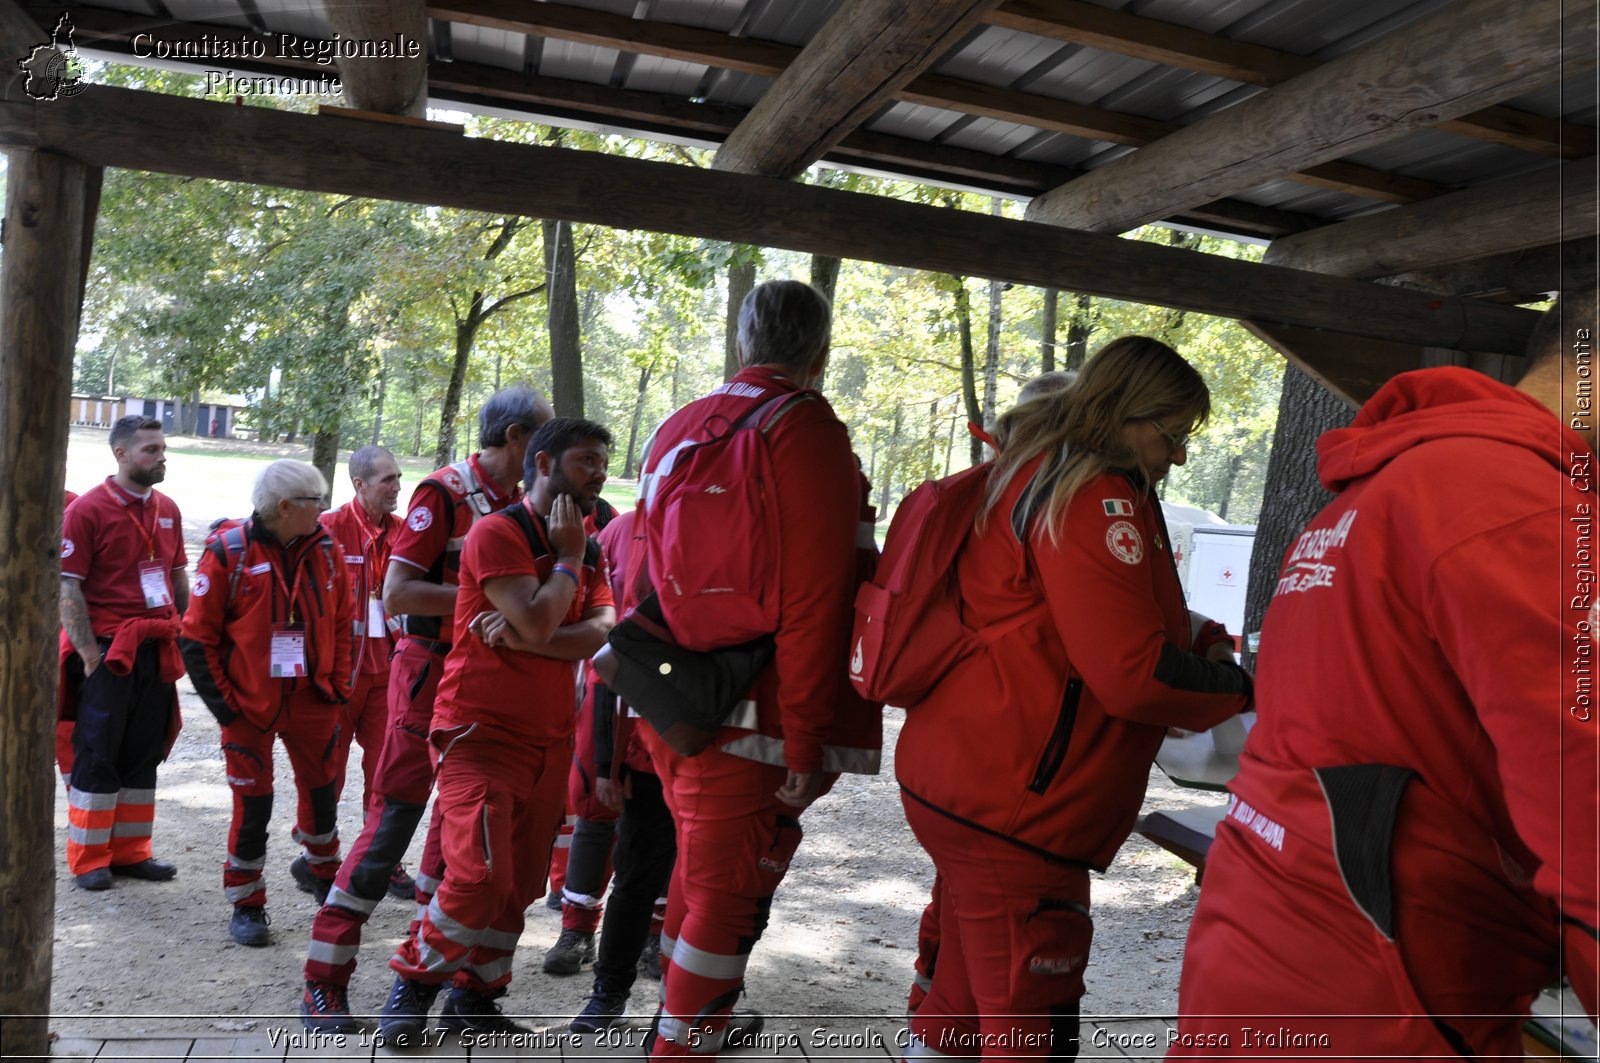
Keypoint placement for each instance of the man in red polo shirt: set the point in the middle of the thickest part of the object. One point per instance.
(364, 528)
(419, 589)
(534, 602)
(123, 590)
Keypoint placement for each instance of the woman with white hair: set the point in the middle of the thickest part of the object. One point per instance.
(268, 641)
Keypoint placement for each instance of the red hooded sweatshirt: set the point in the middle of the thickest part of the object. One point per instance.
(1413, 828)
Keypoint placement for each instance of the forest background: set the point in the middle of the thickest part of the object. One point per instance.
(345, 321)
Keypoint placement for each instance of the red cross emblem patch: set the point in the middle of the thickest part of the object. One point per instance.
(1122, 539)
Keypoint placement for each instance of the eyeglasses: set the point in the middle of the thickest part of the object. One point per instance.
(306, 498)
(1176, 442)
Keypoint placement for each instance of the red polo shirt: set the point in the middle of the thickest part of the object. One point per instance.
(105, 536)
(530, 697)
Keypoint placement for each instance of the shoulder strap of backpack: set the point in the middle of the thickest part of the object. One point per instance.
(231, 543)
(475, 495)
(769, 413)
(537, 541)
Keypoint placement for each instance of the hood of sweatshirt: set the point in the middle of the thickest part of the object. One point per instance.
(1443, 403)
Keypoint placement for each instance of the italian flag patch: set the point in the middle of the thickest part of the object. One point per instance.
(1118, 507)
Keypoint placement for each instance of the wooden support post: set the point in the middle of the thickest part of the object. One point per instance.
(40, 300)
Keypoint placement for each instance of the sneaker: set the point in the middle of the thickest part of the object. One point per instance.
(405, 1013)
(465, 1011)
(601, 1011)
(650, 958)
(571, 951)
(151, 870)
(249, 925)
(325, 1009)
(402, 887)
(743, 1026)
(98, 879)
(307, 879)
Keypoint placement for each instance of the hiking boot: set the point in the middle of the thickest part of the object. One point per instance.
(151, 870)
(326, 1009)
(98, 879)
(405, 1013)
(466, 1011)
(743, 1026)
(402, 887)
(602, 1010)
(249, 925)
(552, 900)
(571, 951)
(308, 881)
(650, 957)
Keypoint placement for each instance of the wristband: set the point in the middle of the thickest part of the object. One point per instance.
(567, 572)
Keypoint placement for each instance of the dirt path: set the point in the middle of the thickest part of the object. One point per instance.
(156, 958)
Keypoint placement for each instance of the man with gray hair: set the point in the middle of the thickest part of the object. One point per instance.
(267, 639)
(419, 589)
(737, 804)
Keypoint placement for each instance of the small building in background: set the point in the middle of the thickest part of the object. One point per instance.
(216, 419)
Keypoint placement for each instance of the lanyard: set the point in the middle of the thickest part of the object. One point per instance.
(148, 534)
(291, 593)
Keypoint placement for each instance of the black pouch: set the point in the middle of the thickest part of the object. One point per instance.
(684, 694)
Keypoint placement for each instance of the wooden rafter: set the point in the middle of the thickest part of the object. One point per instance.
(1447, 65)
(199, 138)
(1518, 276)
(1550, 206)
(713, 49)
(1169, 44)
(662, 114)
(391, 85)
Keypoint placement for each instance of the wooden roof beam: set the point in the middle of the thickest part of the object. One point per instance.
(1169, 44)
(390, 85)
(1549, 206)
(710, 48)
(1518, 276)
(1447, 65)
(867, 51)
(200, 138)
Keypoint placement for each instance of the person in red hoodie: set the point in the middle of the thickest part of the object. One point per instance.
(533, 603)
(1410, 848)
(1024, 768)
(737, 804)
(267, 638)
(365, 529)
(123, 588)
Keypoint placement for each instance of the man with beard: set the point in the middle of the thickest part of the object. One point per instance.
(123, 590)
(533, 602)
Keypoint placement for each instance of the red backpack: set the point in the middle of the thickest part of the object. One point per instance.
(718, 490)
(908, 631)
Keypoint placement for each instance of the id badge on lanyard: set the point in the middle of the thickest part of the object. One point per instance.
(153, 583)
(377, 626)
(288, 652)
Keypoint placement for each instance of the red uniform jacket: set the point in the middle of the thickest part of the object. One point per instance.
(1047, 738)
(364, 547)
(1432, 639)
(228, 629)
(804, 715)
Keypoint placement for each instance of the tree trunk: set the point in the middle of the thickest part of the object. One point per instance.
(1293, 494)
(1235, 463)
(377, 413)
(561, 293)
(741, 282)
(1047, 331)
(637, 420)
(825, 275)
(891, 464)
(991, 355)
(1079, 328)
(325, 456)
(969, 373)
(451, 410)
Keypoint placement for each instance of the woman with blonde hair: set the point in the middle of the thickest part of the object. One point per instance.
(1024, 769)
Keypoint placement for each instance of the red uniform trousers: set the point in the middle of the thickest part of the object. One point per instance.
(366, 720)
(499, 805)
(735, 841)
(308, 725)
(927, 950)
(119, 740)
(1014, 942)
(400, 789)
